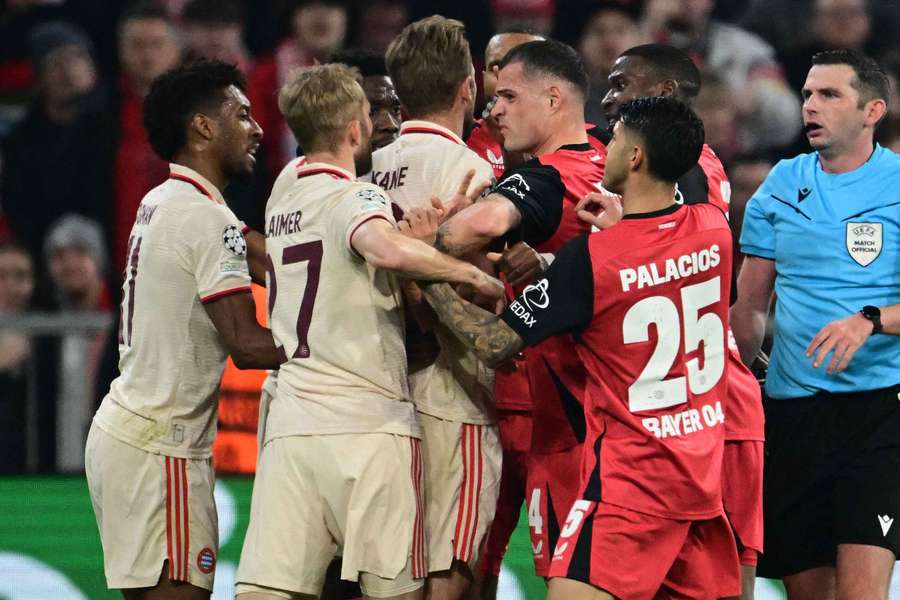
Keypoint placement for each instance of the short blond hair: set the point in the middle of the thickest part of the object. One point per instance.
(319, 102)
(427, 62)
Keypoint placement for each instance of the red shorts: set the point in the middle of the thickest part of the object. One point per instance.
(742, 484)
(640, 557)
(553, 486)
(515, 438)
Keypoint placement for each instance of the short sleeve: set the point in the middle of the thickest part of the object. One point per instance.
(537, 192)
(560, 302)
(362, 203)
(215, 251)
(758, 230)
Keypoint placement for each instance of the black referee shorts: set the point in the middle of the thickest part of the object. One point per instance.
(832, 476)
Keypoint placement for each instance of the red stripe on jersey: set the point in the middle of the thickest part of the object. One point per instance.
(419, 568)
(333, 172)
(476, 507)
(443, 134)
(169, 517)
(461, 511)
(176, 484)
(469, 453)
(187, 521)
(216, 295)
(194, 183)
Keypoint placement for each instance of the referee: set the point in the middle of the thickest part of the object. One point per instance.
(823, 231)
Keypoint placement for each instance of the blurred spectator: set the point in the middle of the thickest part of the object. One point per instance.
(769, 110)
(835, 25)
(535, 15)
(148, 47)
(888, 134)
(16, 288)
(379, 22)
(384, 105)
(214, 29)
(610, 30)
(76, 260)
(317, 29)
(715, 105)
(746, 173)
(58, 159)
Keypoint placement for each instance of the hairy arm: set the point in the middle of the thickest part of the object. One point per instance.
(475, 227)
(489, 336)
(250, 344)
(750, 313)
(383, 246)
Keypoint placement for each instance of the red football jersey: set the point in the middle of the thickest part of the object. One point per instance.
(718, 187)
(648, 300)
(484, 145)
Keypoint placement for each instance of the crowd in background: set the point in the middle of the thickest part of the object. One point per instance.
(75, 160)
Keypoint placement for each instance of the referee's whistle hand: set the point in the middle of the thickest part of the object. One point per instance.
(842, 337)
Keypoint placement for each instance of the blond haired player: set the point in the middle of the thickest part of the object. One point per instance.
(186, 306)
(341, 464)
(431, 66)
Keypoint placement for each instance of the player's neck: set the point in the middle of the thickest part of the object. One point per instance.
(340, 159)
(645, 195)
(211, 170)
(449, 119)
(849, 159)
(572, 131)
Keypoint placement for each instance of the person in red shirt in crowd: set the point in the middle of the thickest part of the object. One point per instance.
(649, 520)
(214, 29)
(317, 28)
(662, 70)
(148, 47)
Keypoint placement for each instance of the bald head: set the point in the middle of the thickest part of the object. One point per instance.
(497, 48)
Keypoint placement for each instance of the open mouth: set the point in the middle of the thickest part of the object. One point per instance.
(813, 129)
(251, 152)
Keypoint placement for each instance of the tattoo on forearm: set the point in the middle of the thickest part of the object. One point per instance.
(443, 241)
(492, 339)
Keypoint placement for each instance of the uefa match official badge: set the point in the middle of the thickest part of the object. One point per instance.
(206, 560)
(864, 242)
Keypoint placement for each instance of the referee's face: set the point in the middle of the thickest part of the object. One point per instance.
(833, 117)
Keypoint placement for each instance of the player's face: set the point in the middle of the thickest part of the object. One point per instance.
(384, 109)
(362, 158)
(832, 116)
(618, 152)
(239, 135)
(521, 110)
(629, 79)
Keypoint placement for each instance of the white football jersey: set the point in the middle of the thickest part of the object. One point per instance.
(337, 321)
(429, 160)
(186, 248)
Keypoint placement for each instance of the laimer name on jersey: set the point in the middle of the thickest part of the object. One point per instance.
(676, 268)
(284, 223)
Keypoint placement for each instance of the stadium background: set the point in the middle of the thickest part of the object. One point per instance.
(57, 342)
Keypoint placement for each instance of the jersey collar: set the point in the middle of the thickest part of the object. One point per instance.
(427, 127)
(305, 169)
(198, 181)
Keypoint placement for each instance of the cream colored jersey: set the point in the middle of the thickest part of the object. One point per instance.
(337, 320)
(186, 248)
(430, 160)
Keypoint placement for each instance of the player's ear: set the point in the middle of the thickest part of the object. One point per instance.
(554, 96)
(467, 90)
(666, 87)
(201, 129)
(874, 111)
(636, 158)
(354, 133)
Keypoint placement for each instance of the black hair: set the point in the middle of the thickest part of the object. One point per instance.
(368, 62)
(175, 96)
(553, 58)
(145, 9)
(668, 62)
(214, 12)
(871, 80)
(672, 134)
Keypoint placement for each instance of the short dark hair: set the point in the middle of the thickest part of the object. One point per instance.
(552, 58)
(145, 9)
(214, 12)
(672, 134)
(368, 62)
(668, 62)
(176, 95)
(871, 80)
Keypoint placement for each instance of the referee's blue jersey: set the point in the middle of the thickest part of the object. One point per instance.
(835, 240)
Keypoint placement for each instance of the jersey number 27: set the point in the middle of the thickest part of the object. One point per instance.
(310, 253)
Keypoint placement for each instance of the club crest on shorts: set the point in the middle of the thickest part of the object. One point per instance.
(864, 242)
(206, 560)
(234, 240)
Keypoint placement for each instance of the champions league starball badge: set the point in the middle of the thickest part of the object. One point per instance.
(234, 240)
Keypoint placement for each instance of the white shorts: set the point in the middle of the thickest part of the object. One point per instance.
(151, 508)
(462, 483)
(318, 495)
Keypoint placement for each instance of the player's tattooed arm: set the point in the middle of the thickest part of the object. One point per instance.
(477, 226)
(487, 334)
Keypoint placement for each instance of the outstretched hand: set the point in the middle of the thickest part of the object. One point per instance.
(422, 222)
(601, 209)
(464, 198)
